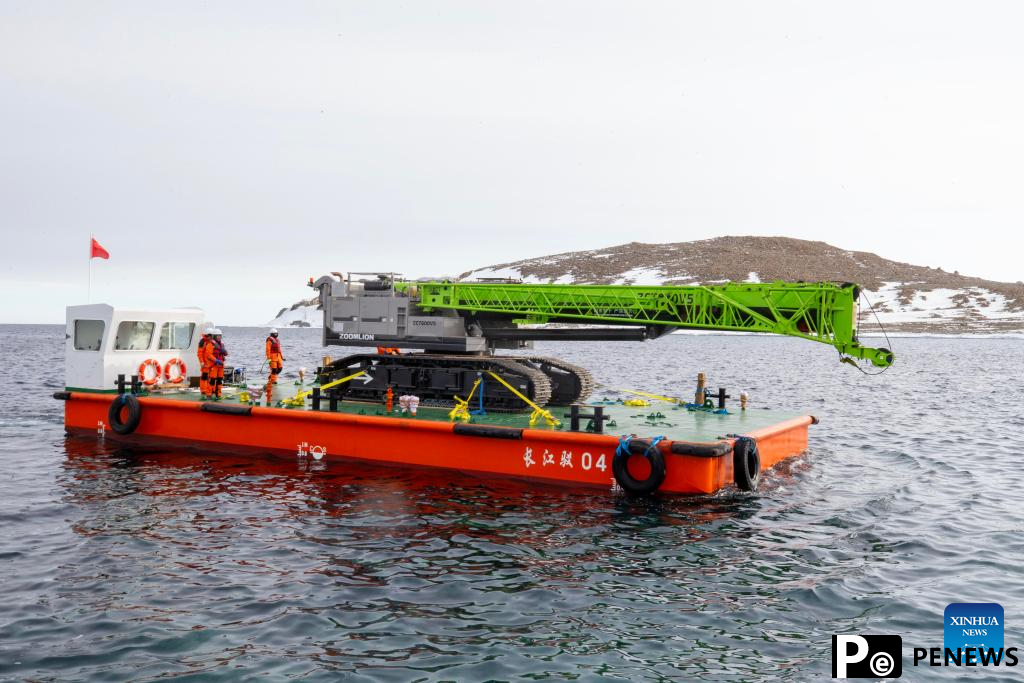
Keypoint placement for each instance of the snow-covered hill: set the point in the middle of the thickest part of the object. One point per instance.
(906, 297)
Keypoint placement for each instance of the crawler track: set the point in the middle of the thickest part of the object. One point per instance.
(569, 383)
(436, 378)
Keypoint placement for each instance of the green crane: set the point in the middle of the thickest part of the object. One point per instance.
(821, 312)
(460, 324)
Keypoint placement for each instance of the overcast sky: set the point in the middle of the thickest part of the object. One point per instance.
(224, 152)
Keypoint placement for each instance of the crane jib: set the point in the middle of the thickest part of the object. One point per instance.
(823, 312)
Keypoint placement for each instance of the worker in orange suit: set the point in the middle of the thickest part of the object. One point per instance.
(216, 353)
(204, 366)
(274, 358)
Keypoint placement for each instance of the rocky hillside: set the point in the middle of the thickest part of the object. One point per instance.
(906, 297)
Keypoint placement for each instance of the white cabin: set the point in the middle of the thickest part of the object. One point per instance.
(102, 342)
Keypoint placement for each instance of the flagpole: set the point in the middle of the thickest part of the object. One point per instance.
(88, 294)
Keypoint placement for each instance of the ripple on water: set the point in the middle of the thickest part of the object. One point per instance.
(140, 563)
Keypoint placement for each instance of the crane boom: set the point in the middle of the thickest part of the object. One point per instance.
(822, 312)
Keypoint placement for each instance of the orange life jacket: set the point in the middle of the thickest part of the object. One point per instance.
(201, 349)
(214, 351)
(273, 348)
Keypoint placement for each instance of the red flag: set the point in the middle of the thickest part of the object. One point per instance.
(96, 251)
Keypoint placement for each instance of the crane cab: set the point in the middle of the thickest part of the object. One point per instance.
(377, 309)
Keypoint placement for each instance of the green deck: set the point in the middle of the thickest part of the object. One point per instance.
(658, 419)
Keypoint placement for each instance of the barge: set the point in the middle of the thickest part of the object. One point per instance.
(132, 376)
(674, 450)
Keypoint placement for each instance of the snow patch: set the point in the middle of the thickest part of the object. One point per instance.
(641, 276)
(936, 305)
(303, 316)
(512, 273)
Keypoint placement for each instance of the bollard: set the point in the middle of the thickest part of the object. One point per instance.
(596, 418)
(574, 417)
(721, 396)
(744, 397)
(701, 394)
(120, 385)
(316, 398)
(333, 401)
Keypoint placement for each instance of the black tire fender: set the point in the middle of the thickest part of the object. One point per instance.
(648, 450)
(131, 423)
(746, 463)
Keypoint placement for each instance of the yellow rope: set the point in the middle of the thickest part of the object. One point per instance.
(461, 409)
(299, 398)
(668, 399)
(538, 412)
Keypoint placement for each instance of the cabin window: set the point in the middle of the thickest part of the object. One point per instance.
(89, 334)
(134, 335)
(176, 335)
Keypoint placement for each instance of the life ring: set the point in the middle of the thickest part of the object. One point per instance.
(149, 363)
(182, 371)
(650, 452)
(746, 463)
(128, 425)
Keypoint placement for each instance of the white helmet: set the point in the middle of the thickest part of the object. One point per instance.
(215, 331)
(273, 330)
(207, 328)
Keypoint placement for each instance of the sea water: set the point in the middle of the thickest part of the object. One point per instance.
(140, 563)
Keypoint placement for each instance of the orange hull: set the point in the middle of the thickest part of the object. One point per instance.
(575, 458)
